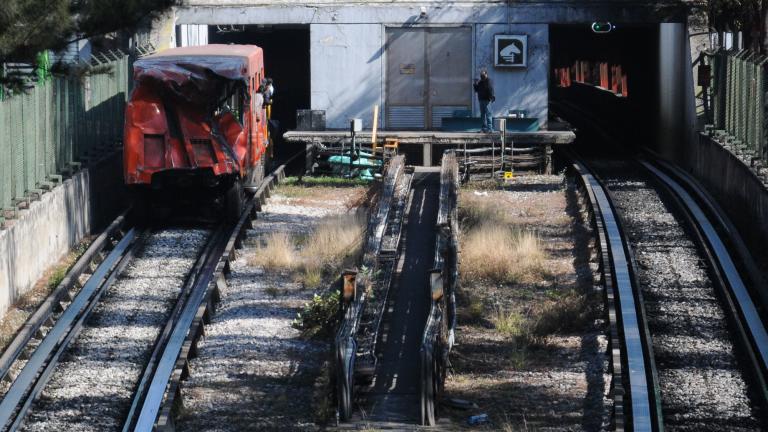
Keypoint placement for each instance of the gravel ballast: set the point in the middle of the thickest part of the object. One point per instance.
(253, 370)
(92, 386)
(701, 379)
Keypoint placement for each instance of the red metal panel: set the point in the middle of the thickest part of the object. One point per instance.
(173, 101)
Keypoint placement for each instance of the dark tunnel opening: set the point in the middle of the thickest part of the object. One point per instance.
(286, 61)
(610, 94)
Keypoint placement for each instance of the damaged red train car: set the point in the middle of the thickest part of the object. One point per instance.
(196, 126)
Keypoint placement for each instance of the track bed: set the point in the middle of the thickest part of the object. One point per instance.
(702, 383)
(92, 386)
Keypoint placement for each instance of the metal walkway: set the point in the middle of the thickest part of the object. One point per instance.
(393, 396)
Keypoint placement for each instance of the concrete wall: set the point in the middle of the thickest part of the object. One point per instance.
(347, 68)
(45, 232)
(735, 187)
(42, 235)
(523, 88)
(438, 12)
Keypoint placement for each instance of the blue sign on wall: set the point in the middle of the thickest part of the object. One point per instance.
(510, 50)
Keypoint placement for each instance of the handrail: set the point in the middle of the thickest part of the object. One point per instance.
(438, 336)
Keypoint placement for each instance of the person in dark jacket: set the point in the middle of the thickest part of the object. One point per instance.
(484, 90)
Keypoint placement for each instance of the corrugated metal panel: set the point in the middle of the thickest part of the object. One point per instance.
(438, 112)
(405, 117)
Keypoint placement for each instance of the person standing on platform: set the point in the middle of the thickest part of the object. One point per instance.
(484, 90)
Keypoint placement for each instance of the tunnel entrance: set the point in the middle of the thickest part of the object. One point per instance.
(609, 79)
(286, 61)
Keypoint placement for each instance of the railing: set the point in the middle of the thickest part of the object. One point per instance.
(58, 124)
(438, 337)
(738, 99)
(355, 300)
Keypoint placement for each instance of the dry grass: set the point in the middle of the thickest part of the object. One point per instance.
(502, 254)
(510, 323)
(520, 328)
(277, 252)
(564, 312)
(492, 249)
(475, 211)
(335, 243)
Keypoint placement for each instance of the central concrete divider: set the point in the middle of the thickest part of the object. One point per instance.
(52, 225)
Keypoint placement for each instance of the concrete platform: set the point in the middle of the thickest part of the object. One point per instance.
(410, 141)
(432, 137)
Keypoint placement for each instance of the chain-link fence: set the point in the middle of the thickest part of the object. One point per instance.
(738, 99)
(59, 124)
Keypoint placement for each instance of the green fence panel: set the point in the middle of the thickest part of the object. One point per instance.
(50, 127)
(738, 98)
(17, 146)
(60, 121)
(6, 160)
(41, 135)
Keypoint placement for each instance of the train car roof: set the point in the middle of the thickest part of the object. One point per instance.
(229, 61)
(217, 50)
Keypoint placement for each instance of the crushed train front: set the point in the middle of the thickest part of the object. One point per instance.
(194, 120)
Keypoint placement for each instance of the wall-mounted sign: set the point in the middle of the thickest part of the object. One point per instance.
(407, 69)
(510, 50)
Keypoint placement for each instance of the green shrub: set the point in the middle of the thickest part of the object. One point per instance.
(320, 316)
(57, 276)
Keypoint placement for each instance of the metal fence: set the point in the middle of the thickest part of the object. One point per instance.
(738, 99)
(59, 124)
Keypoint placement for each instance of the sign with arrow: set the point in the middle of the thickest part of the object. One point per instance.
(510, 50)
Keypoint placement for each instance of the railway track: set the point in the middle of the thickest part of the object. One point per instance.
(108, 347)
(688, 344)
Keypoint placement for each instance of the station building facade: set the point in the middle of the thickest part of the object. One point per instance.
(415, 60)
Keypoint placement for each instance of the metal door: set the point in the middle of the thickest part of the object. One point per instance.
(449, 66)
(429, 75)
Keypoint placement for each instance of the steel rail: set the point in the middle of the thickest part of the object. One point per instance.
(729, 260)
(153, 398)
(38, 370)
(743, 311)
(635, 353)
(163, 389)
(44, 314)
(197, 271)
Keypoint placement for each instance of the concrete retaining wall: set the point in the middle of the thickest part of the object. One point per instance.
(42, 235)
(46, 231)
(736, 188)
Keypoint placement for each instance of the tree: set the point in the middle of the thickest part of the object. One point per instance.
(28, 27)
